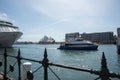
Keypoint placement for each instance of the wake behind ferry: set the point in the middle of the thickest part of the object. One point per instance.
(78, 44)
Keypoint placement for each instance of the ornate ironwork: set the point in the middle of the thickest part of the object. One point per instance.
(103, 73)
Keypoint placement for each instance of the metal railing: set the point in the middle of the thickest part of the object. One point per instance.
(103, 73)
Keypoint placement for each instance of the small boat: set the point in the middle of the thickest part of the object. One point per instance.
(78, 44)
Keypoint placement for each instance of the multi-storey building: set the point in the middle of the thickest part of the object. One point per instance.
(118, 32)
(103, 37)
(69, 36)
(118, 40)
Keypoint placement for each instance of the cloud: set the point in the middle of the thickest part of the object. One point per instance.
(4, 16)
(85, 13)
(56, 23)
(71, 15)
(71, 8)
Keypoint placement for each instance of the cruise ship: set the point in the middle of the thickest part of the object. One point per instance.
(8, 34)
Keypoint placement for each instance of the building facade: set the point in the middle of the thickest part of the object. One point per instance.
(118, 40)
(118, 32)
(102, 38)
(69, 36)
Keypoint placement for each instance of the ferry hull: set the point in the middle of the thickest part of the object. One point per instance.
(94, 47)
(7, 39)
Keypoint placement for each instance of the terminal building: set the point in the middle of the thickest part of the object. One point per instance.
(118, 32)
(69, 36)
(102, 37)
(118, 40)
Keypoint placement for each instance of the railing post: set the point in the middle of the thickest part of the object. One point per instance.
(5, 65)
(45, 65)
(19, 65)
(104, 69)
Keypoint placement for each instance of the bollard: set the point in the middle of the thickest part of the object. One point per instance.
(26, 68)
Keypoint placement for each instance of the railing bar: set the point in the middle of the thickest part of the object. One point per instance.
(54, 73)
(11, 56)
(97, 78)
(15, 76)
(68, 67)
(32, 60)
(114, 75)
(73, 68)
(14, 63)
(8, 72)
(37, 69)
(26, 59)
(97, 72)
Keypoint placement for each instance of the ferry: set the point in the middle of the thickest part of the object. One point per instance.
(8, 34)
(78, 44)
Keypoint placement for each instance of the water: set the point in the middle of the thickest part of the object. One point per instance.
(82, 59)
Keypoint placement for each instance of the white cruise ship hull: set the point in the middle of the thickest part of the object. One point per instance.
(7, 39)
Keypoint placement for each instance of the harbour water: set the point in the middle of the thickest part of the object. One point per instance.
(82, 59)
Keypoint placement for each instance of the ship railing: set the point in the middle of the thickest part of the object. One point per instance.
(103, 73)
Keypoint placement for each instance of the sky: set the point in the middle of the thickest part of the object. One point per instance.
(55, 18)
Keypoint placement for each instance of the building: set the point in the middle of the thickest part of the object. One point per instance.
(118, 40)
(69, 36)
(118, 32)
(103, 37)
